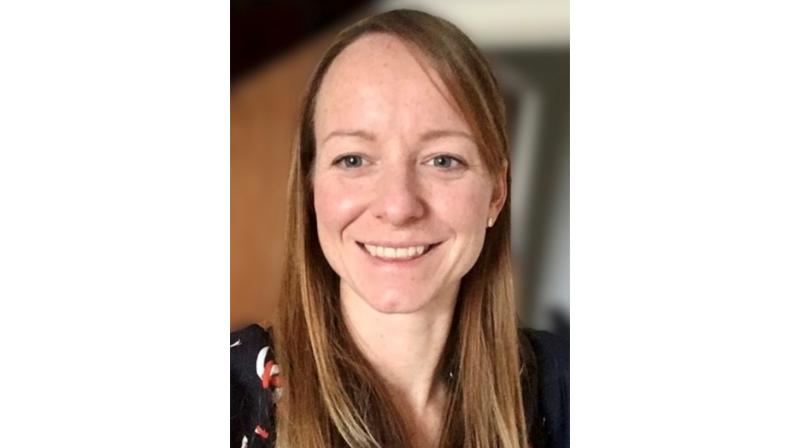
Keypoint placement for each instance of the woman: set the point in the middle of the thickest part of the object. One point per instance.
(397, 324)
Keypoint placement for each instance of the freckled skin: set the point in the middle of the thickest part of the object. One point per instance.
(398, 193)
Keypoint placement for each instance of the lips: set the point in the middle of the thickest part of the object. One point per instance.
(397, 252)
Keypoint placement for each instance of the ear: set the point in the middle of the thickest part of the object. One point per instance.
(499, 193)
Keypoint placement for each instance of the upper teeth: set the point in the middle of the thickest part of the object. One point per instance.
(395, 252)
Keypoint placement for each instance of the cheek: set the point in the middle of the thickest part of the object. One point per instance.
(335, 205)
(464, 209)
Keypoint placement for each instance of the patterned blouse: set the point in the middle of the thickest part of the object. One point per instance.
(256, 387)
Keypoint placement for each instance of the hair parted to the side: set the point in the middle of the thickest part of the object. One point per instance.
(332, 397)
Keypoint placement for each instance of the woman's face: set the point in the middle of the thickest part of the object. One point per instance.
(401, 194)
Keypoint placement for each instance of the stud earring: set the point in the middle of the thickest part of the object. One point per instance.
(491, 222)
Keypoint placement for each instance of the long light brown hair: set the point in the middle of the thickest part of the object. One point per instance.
(332, 396)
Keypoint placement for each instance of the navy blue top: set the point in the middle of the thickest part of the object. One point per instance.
(255, 387)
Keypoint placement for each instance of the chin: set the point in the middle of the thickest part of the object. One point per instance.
(391, 302)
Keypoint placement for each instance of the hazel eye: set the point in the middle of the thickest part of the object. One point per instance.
(350, 161)
(445, 162)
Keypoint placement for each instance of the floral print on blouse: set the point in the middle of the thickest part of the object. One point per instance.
(256, 388)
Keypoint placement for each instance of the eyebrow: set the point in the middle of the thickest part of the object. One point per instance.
(444, 133)
(351, 133)
(426, 137)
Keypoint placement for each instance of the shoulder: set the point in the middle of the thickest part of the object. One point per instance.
(551, 363)
(247, 345)
(552, 351)
(254, 387)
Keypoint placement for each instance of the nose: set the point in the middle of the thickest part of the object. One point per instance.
(398, 196)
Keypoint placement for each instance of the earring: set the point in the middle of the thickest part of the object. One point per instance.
(491, 221)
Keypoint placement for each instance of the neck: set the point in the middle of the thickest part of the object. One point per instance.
(405, 350)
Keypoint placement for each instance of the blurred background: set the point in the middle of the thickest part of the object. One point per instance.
(274, 47)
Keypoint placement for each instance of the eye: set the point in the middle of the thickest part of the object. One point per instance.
(349, 161)
(444, 161)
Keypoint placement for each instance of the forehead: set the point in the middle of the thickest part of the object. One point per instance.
(381, 85)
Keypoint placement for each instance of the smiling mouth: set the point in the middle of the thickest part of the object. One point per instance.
(396, 253)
